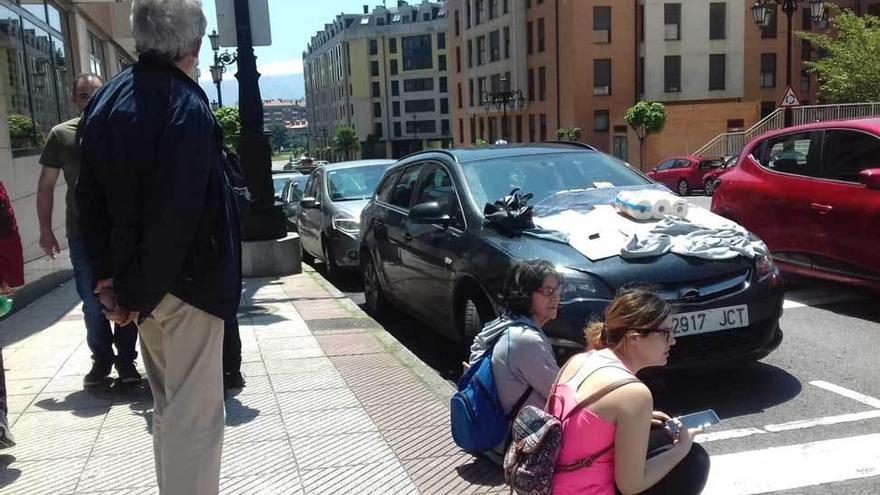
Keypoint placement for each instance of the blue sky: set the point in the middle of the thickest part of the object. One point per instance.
(293, 22)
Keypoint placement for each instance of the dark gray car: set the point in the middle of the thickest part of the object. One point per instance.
(328, 219)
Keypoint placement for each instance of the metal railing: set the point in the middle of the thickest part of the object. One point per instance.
(732, 143)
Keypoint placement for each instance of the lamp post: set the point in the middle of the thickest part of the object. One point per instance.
(221, 61)
(501, 100)
(762, 14)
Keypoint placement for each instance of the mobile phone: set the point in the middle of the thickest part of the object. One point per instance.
(700, 419)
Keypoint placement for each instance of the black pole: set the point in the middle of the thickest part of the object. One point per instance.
(789, 6)
(263, 220)
(219, 96)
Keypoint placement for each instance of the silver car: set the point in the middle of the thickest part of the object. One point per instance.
(328, 219)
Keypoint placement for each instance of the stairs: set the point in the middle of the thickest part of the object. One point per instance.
(732, 143)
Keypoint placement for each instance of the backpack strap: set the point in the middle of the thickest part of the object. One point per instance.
(520, 402)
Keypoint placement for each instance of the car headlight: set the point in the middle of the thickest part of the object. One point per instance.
(765, 266)
(346, 224)
(582, 285)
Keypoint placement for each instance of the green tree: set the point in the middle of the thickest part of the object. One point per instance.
(481, 143)
(346, 141)
(230, 122)
(569, 133)
(22, 131)
(848, 71)
(280, 136)
(646, 118)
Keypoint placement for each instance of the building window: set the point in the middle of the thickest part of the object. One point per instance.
(717, 71)
(377, 129)
(768, 70)
(493, 9)
(767, 107)
(494, 46)
(376, 91)
(441, 41)
(393, 67)
(806, 50)
(640, 76)
(458, 93)
(619, 147)
(600, 120)
(444, 106)
(441, 62)
(805, 81)
(395, 109)
(421, 84)
(602, 24)
(457, 27)
(443, 84)
(531, 77)
(672, 73)
(543, 127)
(478, 11)
(444, 127)
(529, 33)
(602, 76)
(481, 88)
(506, 6)
(641, 23)
(414, 106)
(470, 46)
(532, 128)
(397, 132)
(392, 45)
(395, 88)
(481, 48)
(473, 127)
(461, 130)
(769, 32)
(470, 92)
(467, 12)
(374, 68)
(806, 20)
(519, 124)
(96, 55)
(482, 128)
(374, 47)
(377, 110)
(542, 83)
(417, 53)
(672, 21)
(458, 59)
(506, 42)
(717, 21)
(541, 45)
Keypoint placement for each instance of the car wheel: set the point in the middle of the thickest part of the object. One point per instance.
(709, 188)
(473, 317)
(683, 188)
(329, 263)
(375, 299)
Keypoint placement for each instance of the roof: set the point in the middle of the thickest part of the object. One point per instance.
(506, 150)
(356, 164)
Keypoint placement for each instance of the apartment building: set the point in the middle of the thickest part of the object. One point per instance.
(44, 45)
(282, 112)
(385, 73)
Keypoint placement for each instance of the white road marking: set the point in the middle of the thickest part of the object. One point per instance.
(851, 394)
(794, 466)
(818, 297)
(828, 420)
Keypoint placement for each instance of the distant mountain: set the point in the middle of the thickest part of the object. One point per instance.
(287, 86)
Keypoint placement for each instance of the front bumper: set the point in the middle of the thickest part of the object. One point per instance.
(344, 250)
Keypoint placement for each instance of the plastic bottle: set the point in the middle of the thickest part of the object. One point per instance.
(5, 306)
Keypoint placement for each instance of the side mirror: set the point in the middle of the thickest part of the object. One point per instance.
(307, 203)
(870, 178)
(428, 213)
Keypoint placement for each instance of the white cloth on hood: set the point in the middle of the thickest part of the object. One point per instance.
(681, 236)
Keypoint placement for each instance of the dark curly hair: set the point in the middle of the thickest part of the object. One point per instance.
(525, 279)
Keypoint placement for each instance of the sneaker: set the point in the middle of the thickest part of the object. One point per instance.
(98, 374)
(6, 439)
(233, 379)
(128, 374)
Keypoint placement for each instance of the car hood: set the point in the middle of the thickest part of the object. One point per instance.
(666, 269)
(352, 207)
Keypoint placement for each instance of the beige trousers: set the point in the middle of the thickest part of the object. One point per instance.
(182, 349)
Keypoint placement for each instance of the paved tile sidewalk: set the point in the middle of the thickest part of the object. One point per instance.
(333, 404)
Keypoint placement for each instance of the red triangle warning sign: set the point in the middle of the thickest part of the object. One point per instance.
(789, 99)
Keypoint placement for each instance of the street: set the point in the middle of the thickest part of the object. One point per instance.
(804, 420)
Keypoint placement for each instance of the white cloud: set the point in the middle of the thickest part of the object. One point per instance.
(280, 68)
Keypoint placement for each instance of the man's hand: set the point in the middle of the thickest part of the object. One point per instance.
(49, 243)
(104, 291)
(120, 315)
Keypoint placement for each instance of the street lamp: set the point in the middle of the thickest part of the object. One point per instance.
(221, 61)
(762, 14)
(500, 100)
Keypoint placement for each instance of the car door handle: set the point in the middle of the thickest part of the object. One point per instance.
(822, 209)
(407, 237)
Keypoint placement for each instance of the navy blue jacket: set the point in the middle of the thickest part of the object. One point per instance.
(157, 211)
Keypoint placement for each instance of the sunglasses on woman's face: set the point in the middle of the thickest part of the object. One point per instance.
(548, 291)
(666, 332)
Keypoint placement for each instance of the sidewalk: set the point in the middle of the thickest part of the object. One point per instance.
(333, 404)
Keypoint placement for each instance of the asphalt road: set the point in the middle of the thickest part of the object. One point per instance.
(804, 420)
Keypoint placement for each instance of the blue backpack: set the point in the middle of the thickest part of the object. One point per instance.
(477, 418)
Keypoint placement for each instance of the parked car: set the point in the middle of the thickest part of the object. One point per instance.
(279, 182)
(291, 196)
(427, 248)
(713, 177)
(329, 215)
(812, 192)
(684, 174)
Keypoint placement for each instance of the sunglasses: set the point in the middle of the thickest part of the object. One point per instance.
(666, 332)
(549, 291)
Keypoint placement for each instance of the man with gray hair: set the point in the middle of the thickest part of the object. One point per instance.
(161, 230)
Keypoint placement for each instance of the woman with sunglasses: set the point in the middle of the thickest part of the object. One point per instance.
(523, 364)
(614, 429)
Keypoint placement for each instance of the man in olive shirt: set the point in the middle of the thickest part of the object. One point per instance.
(61, 154)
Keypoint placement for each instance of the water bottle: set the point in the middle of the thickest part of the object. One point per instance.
(5, 306)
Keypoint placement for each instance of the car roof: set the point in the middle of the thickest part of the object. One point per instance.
(464, 155)
(356, 164)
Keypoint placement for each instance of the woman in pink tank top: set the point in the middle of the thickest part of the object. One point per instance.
(607, 413)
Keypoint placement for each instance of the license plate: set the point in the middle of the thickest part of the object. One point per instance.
(710, 320)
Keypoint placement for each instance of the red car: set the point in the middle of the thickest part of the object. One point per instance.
(812, 193)
(711, 178)
(684, 174)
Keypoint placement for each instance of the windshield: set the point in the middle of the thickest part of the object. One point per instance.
(354, 183)
(544, 175)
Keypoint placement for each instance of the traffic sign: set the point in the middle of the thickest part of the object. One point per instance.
(789, 99)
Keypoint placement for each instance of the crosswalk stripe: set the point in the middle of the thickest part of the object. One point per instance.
(850, 394)
(794, 466)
